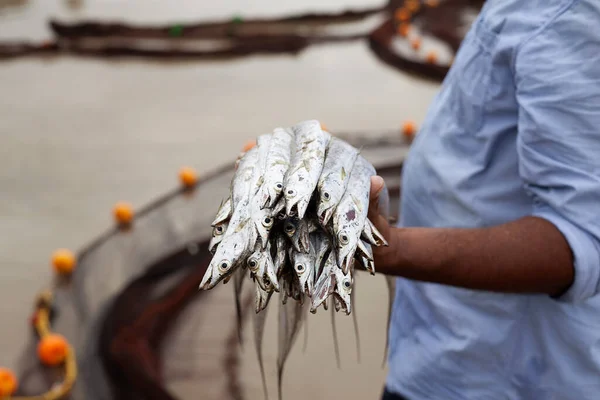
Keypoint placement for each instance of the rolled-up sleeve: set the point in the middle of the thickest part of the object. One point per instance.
(557, 77)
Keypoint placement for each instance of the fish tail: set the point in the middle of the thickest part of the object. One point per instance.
(355, 323)
(336, 346)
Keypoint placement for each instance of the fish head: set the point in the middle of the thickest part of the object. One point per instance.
(304, 271)
(255, 261)
(329, 196)
(290, 227)
(263, 222)
(343, 289)
(226, 260)
(217, 236)
(297, 194)
(346, 247)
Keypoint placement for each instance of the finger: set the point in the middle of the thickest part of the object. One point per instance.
(377, 185)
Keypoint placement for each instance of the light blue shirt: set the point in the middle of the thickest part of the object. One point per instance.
(514, 131)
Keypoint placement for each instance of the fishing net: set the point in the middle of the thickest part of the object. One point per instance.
(394, 33)
(141, 329)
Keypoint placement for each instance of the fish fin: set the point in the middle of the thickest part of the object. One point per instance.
(306, 165)
(241, 225)
(356, 203)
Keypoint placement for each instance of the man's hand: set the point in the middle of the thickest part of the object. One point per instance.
(384, 256)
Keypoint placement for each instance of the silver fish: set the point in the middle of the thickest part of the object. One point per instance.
(263, 220)
(224, 212)
(259, 320)
(297, 230)
(304, 265)
(233, 250)
(336, 346)
(245, 178)
(280, 260)
(343, 289)
(339, 159)
(290, 321)
(260, 264)
(306, 166)
(262, 296)
(325, 284)
(350, 215)
(217, 235)
(238, 280)
(364, 254)
(372, 235)
(355, 320)
(276, 164)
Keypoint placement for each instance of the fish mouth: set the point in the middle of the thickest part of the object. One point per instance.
(209, 280)
(367, 264)
(214, 242)
(296, 208)
(345, 261)
(263, 302)
(212, 277)
(325, 215)
(346, 306)
(322, 290)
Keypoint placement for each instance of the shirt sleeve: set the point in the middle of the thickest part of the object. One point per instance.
(557, 78)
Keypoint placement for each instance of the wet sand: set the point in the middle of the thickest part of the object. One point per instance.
(77, 135)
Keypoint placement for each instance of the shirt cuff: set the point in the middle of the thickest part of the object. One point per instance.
(585, 252)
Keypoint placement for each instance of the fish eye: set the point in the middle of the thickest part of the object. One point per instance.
(279, 186)
(347, 283)
(290, 229)
(344, 238)
(253, 264)
(224, 266)
(218, 229)
(267, 281)
(326, 195)
(299, 268)
(291, 193)
(268, 222)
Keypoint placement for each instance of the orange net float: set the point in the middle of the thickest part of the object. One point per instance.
(402, 15)
(403, 29)
(123, 213)
(431, 57)
(409, 130)
(188, 177)
(415, 43)
(63, 261)
(52, 350)
(8, 383)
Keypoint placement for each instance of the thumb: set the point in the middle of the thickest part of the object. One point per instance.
(377, 185)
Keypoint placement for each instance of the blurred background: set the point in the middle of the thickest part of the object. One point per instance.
(78, 134)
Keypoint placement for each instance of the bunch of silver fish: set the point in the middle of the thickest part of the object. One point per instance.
(296, 222)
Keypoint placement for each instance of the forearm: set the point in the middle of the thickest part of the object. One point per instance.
(529, 255)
